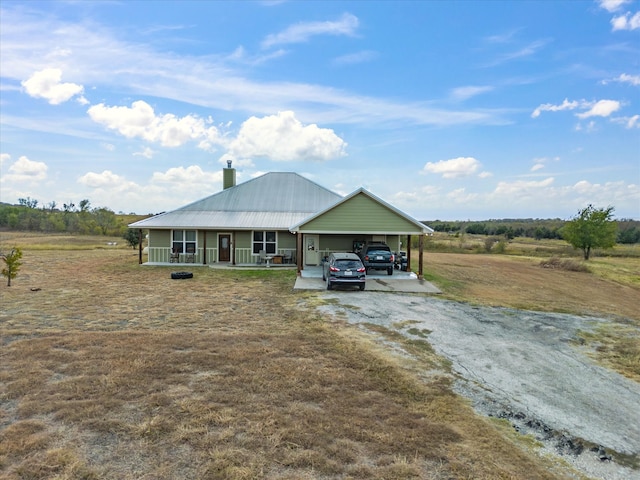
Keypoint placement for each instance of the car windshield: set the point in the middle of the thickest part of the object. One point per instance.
(345, 264)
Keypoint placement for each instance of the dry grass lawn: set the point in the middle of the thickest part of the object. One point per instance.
(111, 370)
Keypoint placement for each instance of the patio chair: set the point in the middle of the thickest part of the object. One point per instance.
(262, 258)
(174, 256)
(287, 257)
(191, 255)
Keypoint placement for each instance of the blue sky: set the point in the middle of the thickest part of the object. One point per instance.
(446, 110)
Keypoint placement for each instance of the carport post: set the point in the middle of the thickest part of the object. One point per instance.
(408, 253)
(139, 246)
(420, 255)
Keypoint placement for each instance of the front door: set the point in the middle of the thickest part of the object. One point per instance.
(224, 248)
(312, 250)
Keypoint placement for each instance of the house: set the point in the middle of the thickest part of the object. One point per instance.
(279, 217)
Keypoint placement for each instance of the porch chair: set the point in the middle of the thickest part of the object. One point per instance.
(191, 255)
(262, 258)
(174, 256)
(287, 257)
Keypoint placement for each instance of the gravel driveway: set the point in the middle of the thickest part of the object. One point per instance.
(523, 366)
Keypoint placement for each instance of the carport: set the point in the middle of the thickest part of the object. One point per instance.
(348, 224)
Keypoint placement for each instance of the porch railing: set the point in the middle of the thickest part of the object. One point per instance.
(243, 255)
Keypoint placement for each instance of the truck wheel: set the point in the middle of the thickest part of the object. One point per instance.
(390, 271)
(361, 287)
(329, 286)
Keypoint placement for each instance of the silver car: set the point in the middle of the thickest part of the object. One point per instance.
(344, 269)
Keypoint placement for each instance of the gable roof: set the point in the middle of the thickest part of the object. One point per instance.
(339, 217)
(274, 200)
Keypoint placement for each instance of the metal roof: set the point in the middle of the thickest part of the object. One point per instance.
(274, 200)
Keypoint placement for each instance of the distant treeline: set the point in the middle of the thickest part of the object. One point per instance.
(80, 219)
(86, 220)
(628, 230)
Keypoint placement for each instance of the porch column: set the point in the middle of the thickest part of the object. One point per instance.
(420, 255)
(233, 248)
(408, 253)
(204, 247)
(139, 246)
(299, 252)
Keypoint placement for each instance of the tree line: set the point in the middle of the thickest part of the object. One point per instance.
(71, 218)
(627, 232)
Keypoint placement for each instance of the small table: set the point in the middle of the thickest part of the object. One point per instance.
(268, 259)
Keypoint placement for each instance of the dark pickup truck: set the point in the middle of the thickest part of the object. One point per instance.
(377, 256)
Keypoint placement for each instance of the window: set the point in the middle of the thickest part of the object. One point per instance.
(264, 241)
(184, 241)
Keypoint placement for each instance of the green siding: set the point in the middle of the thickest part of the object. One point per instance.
(243, 239)
(286, 240)
(360, 214)
(160, 238)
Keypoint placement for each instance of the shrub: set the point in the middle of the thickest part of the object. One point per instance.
(564, 264)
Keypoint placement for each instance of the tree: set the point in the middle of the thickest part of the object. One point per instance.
(591, 228)
(105, 219)
(12, 264)
(132, 237)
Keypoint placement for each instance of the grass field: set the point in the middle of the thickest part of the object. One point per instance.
(111, 370)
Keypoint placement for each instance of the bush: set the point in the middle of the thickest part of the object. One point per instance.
(564, 264)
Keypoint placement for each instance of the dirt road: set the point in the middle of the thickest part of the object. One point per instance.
(523, 366)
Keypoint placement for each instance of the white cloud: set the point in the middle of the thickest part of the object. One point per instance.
(354, 58)
(282, 137)
(101, 180)
(549, 107)
(526, 51)
(626, 78)
(301, 32)
(460, 196)
(453, 168)
(521, 187)
(628, 122)
(634, 122)
(612, 5)
(187, 177)
(47, 84)
(24, 170)
(626, 21)
(541, 162)
(146, 153)
(589, 128)
(4, 158)
(602, 108)
(464, 93)
(140, 121)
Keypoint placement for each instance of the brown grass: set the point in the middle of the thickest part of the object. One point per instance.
(112, 370)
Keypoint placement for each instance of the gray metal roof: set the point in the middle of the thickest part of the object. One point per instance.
(274, 200)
